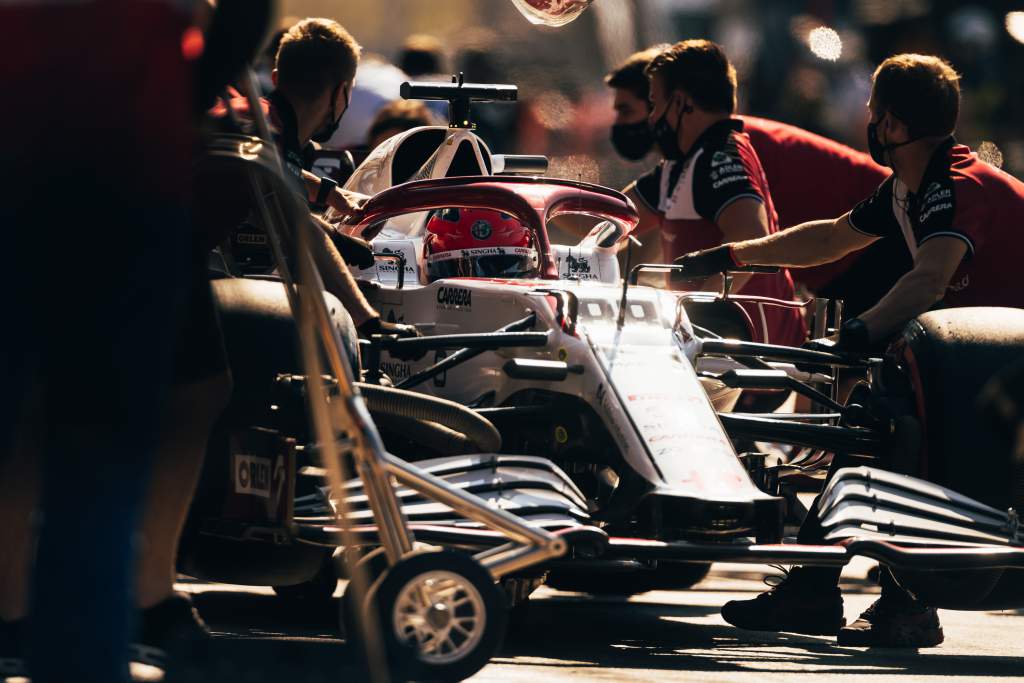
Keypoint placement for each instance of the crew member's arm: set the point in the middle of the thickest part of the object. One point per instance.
(337, 278)
(936, 261)
(809, 244)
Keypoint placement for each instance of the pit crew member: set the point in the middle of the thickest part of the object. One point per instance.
(810, 177)
(313, 77)
(710, 187)
(957, 216)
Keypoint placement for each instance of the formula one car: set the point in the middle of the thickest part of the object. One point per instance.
(550, 388)
(621, 421)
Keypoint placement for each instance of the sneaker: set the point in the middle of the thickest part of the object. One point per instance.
(893, 622)
(799, 603)
(12, 648)
(169, 626)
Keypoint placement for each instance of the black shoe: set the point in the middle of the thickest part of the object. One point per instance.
(12, 648)
(170, 627)
(894, 622)
(800, 603)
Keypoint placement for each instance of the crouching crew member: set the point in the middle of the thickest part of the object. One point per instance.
(959, 218)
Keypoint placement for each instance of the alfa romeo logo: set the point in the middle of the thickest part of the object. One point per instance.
(481, 230)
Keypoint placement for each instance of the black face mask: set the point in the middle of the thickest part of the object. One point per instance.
(881, 154)
(667, 137)
(632, 140)
(328, 129)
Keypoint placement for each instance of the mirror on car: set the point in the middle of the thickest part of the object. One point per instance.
(607, 234)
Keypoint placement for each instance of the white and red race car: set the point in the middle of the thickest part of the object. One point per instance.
(620, 421)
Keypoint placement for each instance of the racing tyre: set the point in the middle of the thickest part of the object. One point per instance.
(440, 614)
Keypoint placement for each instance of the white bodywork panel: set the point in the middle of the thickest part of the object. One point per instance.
(639, 378)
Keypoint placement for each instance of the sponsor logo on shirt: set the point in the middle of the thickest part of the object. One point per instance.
(719, 158)
(934, 208)
(726, 180)
(454, 298)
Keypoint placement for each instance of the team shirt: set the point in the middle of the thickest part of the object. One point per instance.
(812, 178)
(963, 198)
(689, 195)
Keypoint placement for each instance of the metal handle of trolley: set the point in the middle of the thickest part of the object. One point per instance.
(342, 423)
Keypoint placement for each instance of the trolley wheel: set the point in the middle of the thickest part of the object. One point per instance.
(318, 590)
(445, 610)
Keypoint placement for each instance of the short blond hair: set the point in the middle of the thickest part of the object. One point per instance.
(315, 55)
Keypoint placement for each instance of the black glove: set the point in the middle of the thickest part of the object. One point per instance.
(853, 338)
(701, 264)
(377, 326)
(355, 251)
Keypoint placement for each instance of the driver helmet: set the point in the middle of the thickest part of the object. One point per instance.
(479, 243)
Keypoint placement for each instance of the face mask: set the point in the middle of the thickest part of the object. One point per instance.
(632, 140)
(882, 154)
(667, 137)
(328, 129)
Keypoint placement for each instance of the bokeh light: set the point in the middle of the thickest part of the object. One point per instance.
(554, 110)
(825, 43)
(1015, 25)
(990, 153)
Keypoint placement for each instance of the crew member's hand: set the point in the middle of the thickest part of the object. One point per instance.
(853, 338)
(356, 251)
(346, 203)
(705, 263)
(377, 326)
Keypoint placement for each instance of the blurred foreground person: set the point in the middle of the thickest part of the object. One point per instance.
(88, 354)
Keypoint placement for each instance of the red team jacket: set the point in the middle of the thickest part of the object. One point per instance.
(690, 194)
(964, 198)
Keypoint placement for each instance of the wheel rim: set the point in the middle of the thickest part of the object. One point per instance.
(442, 613)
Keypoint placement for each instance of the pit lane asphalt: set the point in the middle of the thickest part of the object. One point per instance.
(657, 636)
